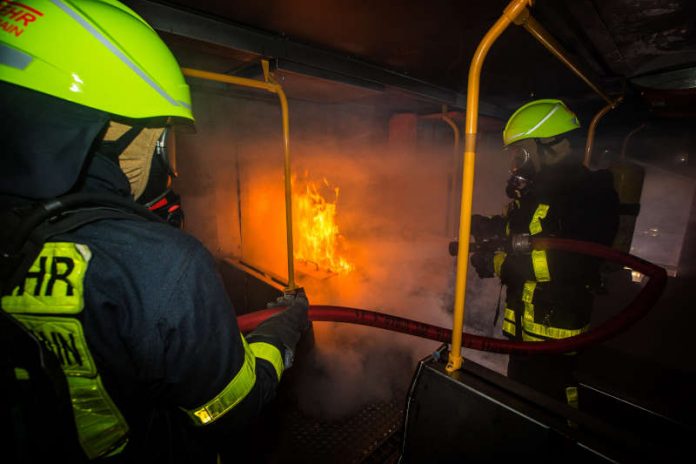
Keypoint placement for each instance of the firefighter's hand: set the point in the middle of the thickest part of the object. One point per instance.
(289, 298)
(480, 226)
(482, 261)
(484, 228)
(288, 325)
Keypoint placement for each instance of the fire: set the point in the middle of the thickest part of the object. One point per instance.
(318, 241)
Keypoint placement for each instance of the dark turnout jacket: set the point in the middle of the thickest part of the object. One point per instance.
(549, 293)
(140, 320)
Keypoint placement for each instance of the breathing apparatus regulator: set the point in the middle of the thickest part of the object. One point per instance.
(144, 158)
(158, 195)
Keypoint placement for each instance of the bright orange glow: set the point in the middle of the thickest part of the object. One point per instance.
(318, 241)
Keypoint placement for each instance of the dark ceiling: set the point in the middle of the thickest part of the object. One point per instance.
(624, 45)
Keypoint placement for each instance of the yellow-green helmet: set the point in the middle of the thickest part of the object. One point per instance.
(539, 119)
(96, 53)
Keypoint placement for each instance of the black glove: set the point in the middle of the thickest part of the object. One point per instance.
(480, 226)
(482, 261)
(286, 326)
(485, 228)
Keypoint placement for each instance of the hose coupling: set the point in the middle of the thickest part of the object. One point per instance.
(521, 243)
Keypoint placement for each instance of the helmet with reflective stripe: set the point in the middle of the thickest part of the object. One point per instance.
(539, 119)
(96, 53)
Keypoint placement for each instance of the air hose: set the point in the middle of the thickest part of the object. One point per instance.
(635, 310)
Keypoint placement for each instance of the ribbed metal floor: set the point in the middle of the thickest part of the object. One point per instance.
(370, 435)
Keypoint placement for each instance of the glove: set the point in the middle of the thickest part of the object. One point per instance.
(485, 228)
(286, 326)
(482, 261)
(480, 227)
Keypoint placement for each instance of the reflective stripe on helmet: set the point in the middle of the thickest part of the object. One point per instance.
(121, 56)
(540, 123)
(14, 58)
(539, 119)
(99, 54)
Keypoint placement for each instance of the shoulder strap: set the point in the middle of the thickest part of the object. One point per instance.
(29, 228)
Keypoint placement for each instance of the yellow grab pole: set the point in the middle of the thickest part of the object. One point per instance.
(510, 14)
(593, 127)
(270, 86)
(533, 26)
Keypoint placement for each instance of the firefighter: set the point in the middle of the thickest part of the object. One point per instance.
(132, 308)
(549, 294)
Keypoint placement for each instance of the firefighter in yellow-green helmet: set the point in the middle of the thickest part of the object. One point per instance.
(130, 309)
(549, 294)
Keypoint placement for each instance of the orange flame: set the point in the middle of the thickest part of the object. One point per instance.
(318, 239)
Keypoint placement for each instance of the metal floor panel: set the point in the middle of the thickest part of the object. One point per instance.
(350, 440)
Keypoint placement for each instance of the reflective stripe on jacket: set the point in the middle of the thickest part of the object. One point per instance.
(47, 304)
(548, 292)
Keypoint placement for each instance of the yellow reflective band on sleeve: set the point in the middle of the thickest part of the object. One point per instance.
(539, 214)
(572, 397)
(235, 391)
(54, 282)
(270, 353)
(509, 322)
(540, 265)
(498, 260)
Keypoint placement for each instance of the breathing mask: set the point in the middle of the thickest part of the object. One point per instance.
(522, 171)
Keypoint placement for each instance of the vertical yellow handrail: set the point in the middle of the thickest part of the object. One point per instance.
(268, 85)
(510, 14)
(589, 144)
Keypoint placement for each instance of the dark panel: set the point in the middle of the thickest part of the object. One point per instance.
(248, 288)
(477, 415)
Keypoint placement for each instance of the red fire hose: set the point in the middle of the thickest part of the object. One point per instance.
(635, 310)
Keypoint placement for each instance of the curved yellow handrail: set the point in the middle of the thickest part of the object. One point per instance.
(513, 10)
(268, 85)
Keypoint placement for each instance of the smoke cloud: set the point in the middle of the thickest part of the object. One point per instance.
(392, 213)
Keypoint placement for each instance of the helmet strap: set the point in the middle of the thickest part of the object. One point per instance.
(114, 148)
